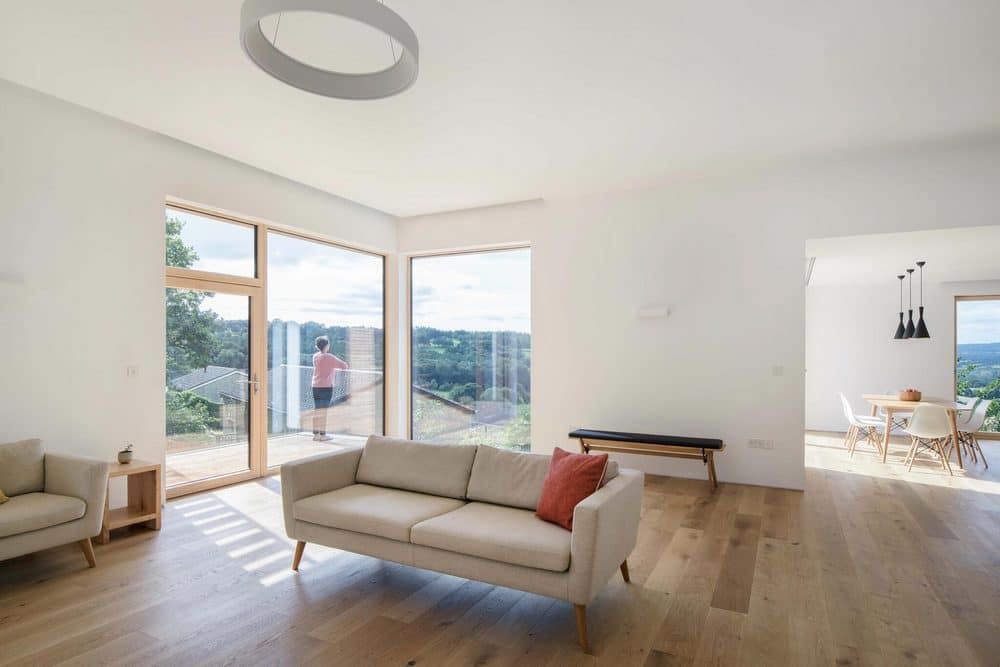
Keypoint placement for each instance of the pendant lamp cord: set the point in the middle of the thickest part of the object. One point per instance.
(274, 41)
(392, 47)
(277, 26)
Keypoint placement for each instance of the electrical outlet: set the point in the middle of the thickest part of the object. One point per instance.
(758, 443)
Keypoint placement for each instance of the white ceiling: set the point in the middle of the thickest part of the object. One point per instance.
(518, 100)
(952, 255)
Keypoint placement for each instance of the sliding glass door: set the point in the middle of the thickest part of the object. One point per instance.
(209, 385)
(274, 348)
(325, 347)
(214, 297)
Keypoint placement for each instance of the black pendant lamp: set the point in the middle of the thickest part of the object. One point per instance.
(908, 333)
(900, 330)
(921, 330)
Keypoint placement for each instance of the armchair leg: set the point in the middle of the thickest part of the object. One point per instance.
(624, 569)
(581, 626)
(300, 546)
(88, 551)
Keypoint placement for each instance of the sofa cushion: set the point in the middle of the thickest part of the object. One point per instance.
(22, 467)
(505, 534)
(572, 477)
(372, 510)
(34, 511)
(506, 477)
(441, 470)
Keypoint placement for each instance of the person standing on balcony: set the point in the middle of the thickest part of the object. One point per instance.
(325, 367)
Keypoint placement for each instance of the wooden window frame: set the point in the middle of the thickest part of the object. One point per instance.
(409, 311)
(984, 435)
(256, 289)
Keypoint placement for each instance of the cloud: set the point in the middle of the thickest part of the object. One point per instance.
(978, 321)
(473, 292)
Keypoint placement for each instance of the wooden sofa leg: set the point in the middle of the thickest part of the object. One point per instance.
(624, 568)
(300, 546)
(88, 551)
(581, 626)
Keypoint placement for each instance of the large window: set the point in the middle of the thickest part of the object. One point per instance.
(977, 353)
(471, 348)
(321, 292)
(245, 389)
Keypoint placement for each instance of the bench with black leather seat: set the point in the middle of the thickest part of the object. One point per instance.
(674, 446)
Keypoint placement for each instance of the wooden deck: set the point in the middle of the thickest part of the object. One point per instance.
(871, 565)
(195, 464)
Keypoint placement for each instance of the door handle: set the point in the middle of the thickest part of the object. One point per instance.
(255, 383)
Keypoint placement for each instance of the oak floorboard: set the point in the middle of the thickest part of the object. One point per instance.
(869, 565)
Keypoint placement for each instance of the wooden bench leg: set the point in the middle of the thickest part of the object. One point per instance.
(88, 551)
(711, 470)
(300, 546)
(581, 626)
(624, 568)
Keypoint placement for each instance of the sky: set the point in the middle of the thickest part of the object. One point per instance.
(484, 291)
(978, 321)
(313, 281)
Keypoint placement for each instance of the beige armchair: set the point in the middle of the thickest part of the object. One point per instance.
(54, 500)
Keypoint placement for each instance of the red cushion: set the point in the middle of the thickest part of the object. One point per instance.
(571, 478)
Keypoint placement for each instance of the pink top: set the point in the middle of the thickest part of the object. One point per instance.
(324, 367)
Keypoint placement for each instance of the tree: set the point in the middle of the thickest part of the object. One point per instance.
(963, 371)
(191, 342)
(189, 413)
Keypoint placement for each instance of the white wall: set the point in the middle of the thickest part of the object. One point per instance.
(726, 255)
(81, 281)
(850, 349)
(81, 265)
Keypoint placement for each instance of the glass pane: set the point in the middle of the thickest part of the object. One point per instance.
(471, 351)
(209, 244)
(318, 401)
(208, 365)
(977, 344)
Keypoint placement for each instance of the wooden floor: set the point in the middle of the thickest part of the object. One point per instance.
(870, 565)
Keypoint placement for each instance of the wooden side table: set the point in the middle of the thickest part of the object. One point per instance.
(144, 498)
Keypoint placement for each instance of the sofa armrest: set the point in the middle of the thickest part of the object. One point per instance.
(316, 474)
(605, 530)
(83, 478)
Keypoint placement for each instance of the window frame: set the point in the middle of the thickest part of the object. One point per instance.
(985, 435)
(409, 310)
(385, 290)
(256, 289)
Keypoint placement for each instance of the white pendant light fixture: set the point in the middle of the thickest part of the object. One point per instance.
(368, 86)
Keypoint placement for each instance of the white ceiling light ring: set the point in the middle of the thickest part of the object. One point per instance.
(374, 85)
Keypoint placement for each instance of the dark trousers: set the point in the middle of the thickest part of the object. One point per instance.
(322, 397)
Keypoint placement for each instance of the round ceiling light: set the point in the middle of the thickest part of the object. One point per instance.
(349, 86)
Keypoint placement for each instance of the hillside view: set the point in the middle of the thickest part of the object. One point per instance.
(977, 370)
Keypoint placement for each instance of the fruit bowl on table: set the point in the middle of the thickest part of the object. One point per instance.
(910, 395)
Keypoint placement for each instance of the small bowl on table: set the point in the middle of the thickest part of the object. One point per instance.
(910, 395)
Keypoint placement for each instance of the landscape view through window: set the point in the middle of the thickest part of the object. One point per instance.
(471, 348)
(977, 347)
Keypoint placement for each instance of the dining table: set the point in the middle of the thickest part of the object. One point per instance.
(891, 405)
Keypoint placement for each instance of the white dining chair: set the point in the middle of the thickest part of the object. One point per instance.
(929, 428)
(969, 405)
(861, 426)
(974, 424)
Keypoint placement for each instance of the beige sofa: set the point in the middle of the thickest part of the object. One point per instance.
(463, 510)
(54, 500)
